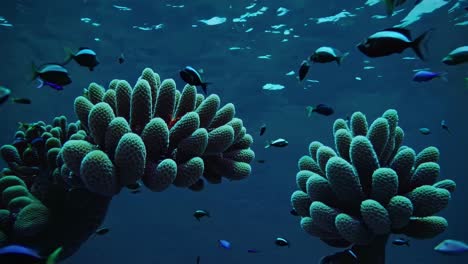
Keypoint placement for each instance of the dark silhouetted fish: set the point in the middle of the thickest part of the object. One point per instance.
(303, 70)
(85, 57)
(201, 213)
(51, 74)
(328, 54)
(193, 77)
(392, 40)
(401, 242)
(21, 100)
(262, 129)
(321, 109)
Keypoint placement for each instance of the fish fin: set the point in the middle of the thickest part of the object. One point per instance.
(443, 76)
(268, 144)
(69, 56)
(53, 257)
(421, 42)
(390, 7)
(309, 110)
(41, 83)
(340, 59)
(204, 85)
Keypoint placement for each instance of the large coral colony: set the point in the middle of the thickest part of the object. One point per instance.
(370, 187)
(65, 174)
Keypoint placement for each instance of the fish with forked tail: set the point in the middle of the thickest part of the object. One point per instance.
(393, 40)
(193, 77)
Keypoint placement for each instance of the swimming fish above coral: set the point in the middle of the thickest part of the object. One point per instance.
(392, 40)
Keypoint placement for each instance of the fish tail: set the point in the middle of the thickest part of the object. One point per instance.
(421, 43)
(268, 144)
(340, 59)
(54, 256)
(204, 85)
(309, 110)
(443, 76)
(407, 244)
(41, 83)
(69, 55)
(34, 71)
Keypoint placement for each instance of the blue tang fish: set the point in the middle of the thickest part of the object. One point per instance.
(425, 76)
(224, 244)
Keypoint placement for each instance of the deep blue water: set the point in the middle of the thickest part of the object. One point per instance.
(158, 228)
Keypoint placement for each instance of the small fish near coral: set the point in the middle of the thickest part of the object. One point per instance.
(444, 126)
(51, 74)
(425, 131)
(401, 242)
(282, 242)
(121, 58)
(279, 143)
(198, 214)
(393, 40)
(321, 109)
(85, 57)
(18, 254)
(451, 247)
(102, 231)
(193, 77)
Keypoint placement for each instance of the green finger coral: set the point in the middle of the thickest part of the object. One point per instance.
(65, 174)
(370, 187)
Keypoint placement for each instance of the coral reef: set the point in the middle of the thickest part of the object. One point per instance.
(370, 187)
(61, 177)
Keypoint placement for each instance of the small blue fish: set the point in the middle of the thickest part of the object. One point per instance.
(401, 242)
(451, 247)
(224, 244)
(425, 76)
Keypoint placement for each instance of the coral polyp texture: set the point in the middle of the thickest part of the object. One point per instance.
(370, 186)
(61, 177)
